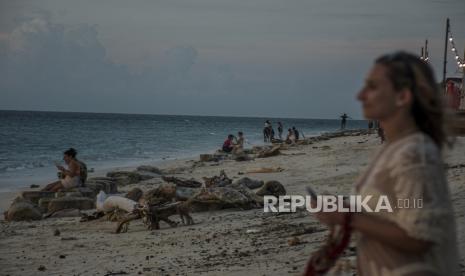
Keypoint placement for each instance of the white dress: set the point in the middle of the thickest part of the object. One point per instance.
(407, 170)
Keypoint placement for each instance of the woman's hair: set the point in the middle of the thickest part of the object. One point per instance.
(409, 71)
(71, 152)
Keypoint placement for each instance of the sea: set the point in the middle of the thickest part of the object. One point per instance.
(32, 142)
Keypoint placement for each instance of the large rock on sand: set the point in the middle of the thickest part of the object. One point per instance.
(249, 183)
(106, 184)
(22, 209)
(273, 188)
(81, 203)
(125, 178)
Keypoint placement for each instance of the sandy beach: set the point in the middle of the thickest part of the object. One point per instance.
(224, 242)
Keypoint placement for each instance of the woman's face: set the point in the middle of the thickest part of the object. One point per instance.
(378, 97)
(66, 158)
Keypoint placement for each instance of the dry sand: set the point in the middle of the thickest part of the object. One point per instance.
(226, 242)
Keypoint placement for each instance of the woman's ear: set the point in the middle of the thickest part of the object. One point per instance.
(404, 97)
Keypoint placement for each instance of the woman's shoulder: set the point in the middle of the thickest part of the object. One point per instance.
(416, 149)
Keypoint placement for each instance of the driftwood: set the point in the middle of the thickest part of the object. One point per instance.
(153, 214)
(269, 152)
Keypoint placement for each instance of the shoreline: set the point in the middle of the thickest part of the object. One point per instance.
(220, 242)
(7, 196)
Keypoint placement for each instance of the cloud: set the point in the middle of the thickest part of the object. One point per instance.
(52, 66)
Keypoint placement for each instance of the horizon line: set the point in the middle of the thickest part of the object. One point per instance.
(185, 115)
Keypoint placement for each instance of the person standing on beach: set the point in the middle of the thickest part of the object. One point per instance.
(280, 130)
(344, 120)
(296, 133)
(401, 92)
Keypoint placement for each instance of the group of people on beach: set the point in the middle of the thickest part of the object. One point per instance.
(234, 144)
(401, 93)
(292, 136)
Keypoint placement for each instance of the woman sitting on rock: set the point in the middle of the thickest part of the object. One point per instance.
(72, 175)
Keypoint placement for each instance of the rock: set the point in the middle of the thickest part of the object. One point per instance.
(249, 183)
(151, 169)
(43, 204)
(34, 186)
(273, 188)
(106, 184)
(126, 178)
(56, 232)
(41, 268)
(81, 203)
(135, 194)
(184, 193)
(22, 209)
(191, 183)
(66, 213)
(35, 196)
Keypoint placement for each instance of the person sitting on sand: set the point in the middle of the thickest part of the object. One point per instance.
(290, 138)
(72, 175)
(238, 145)
(402, 93)
(228, 144)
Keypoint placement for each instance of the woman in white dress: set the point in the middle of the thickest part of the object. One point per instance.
(401, 92)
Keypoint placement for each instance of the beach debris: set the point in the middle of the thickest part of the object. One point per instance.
(252, 231)
(135, 194)
(164, 193)
(22, 209)
(192, 183)
(41, 268)
(249, 183)
(217, 181)
(81, 203)
(265, 170)
(56, 232)
(325, 147)
(294, 241)
(274, 188)
(269, 152)
(117, 202)
(152, 215)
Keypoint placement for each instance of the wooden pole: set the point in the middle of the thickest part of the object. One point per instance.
(462, 96)
(445, 55)
(426, 50)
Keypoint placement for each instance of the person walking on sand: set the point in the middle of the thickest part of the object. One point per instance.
(401, 92)
(344, 120)
(72, 175)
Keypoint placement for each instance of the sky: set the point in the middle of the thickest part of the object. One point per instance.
(266, 58)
